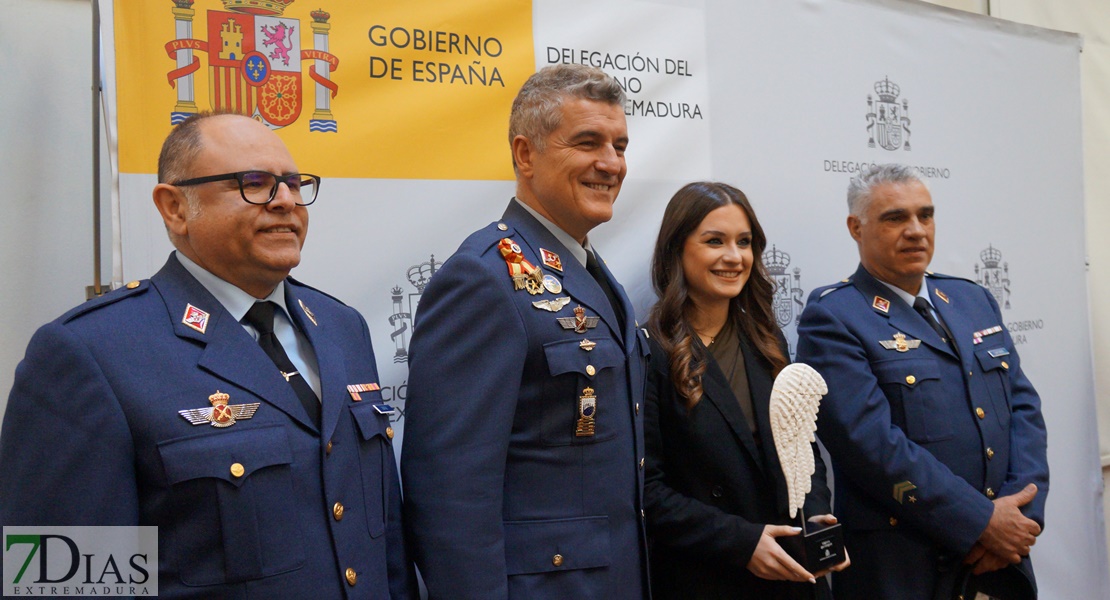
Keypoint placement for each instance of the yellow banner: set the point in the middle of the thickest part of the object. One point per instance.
(386, 89)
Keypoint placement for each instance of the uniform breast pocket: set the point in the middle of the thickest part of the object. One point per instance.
(233, 498)
(580, 397)
(913, 388)
(557, 558)
(995, 363)
(372, 456)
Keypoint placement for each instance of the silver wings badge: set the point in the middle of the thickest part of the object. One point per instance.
(552, 305)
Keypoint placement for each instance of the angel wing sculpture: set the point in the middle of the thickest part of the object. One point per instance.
(795, 398)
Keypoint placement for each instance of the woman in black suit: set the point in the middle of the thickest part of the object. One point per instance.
(714, 490)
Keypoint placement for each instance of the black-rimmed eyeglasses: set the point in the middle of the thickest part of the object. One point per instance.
(260, 187)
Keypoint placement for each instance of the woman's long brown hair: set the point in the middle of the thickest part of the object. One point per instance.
(751, 310)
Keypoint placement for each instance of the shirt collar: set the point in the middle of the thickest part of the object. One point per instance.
(908, 298)
(576, 249)
(234, 300)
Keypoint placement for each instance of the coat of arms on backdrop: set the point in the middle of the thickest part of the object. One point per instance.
(254, 62)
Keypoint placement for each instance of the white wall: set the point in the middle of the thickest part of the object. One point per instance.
(46, 166)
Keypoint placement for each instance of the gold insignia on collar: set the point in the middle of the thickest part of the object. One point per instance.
(881, 303)
(308, 313)
(941, 295)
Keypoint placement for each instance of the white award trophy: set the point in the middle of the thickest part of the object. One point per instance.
(795, 398)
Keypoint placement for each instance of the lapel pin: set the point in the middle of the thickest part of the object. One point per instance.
(195, 318)
(550, 259)
(881, 303)
(221, 414)
(308, 313)
(941, 295)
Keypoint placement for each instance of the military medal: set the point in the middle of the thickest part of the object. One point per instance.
(941, 295)
(900, 343)
(221, 414)
(526, 276)
(977, 337)
(195, 318)
(550, 259)
(579, 322)
(355, 388)
(586, 345)
(587, 409)
(551, 284)
(881, 303)
(552, 305)
(308, 313)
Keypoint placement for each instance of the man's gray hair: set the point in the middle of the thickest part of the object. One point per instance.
(870, 177)
(535, 112)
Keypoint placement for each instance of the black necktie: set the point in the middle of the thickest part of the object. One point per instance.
(595, 270)
(922, 307)
(261, 317)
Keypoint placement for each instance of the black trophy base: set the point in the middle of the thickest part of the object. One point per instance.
(816, 549)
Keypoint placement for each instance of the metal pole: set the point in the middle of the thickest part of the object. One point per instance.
(95, 290)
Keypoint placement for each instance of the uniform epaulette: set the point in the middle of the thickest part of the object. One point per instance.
(133, 288)
(823, 291)
(492, 234)
(943, 276)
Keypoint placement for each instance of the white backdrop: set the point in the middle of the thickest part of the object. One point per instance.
(782, 90)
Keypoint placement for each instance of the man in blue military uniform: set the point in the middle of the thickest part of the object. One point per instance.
(523, 457)
(936, 436)
(234, 408)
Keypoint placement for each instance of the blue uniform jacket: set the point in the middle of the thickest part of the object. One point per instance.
(92, 436)
(503, 499)
(921, 438)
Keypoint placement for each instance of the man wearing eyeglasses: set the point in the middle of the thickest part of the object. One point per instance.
(222, 401)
